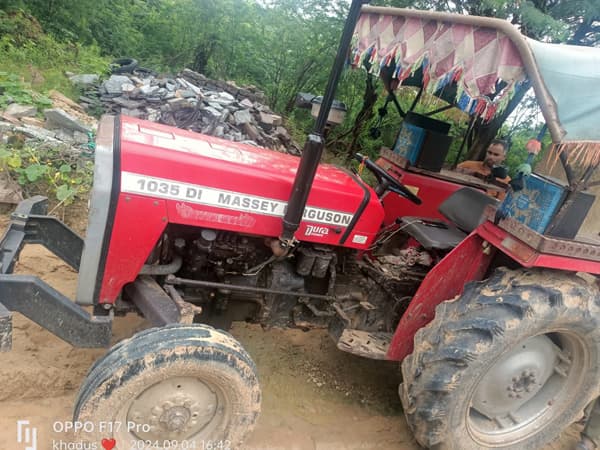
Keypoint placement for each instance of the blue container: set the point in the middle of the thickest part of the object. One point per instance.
(419, 131)
(409, 142)
(536, 204)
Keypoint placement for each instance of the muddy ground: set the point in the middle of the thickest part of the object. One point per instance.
(314, 396)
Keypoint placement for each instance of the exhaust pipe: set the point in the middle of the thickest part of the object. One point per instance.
(313, 148)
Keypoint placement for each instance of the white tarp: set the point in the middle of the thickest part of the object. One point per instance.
(572, 76)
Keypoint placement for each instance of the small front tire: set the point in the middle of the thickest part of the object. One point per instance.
(189, 384)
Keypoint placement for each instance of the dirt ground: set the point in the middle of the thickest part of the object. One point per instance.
(314, 396)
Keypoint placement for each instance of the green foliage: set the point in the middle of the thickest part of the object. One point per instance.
(48, 171)
(38, 60)
(13, 89)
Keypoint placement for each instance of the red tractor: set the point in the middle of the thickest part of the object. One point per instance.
(493, 309)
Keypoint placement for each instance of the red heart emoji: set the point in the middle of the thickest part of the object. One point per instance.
(109, 444)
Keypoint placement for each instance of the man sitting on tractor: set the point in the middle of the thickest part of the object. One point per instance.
(495, 156)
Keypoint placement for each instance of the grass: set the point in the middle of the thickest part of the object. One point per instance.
(38, 61)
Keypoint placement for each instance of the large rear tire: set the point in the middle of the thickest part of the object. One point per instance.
(178, 386)
(509, 364)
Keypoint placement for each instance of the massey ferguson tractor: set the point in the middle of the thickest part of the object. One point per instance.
(492, 308)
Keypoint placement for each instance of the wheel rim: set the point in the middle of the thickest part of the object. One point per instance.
(526, 388)
(177, 408)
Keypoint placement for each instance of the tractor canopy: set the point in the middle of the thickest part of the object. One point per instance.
(478, 64)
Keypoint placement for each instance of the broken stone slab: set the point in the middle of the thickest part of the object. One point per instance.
(223, 98)
(65, 136)
(85, 79)
(37, 133)
(115, 83)
(132, 113)
(17, 110)
(247, 103)
(80, 138)
(153, 115)
(212, 112)
(195, 77)
(128, 87)
(283, 134)
(186, 84)
(185, 93)
(33, 121)
(268, 121)
(60, 119)
(84, 99)
(242, 116)
(126, 103)
(175, 104)
(251, 131)
(224, 116)
(10, 119)
(5, 127)
(215, 105)
(219, 131)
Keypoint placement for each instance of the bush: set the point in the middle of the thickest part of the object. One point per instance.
(52, 171)
(39, 59)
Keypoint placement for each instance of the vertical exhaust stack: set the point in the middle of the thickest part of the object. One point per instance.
(313, 148)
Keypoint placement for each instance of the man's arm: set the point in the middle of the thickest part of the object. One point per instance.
(468, 167)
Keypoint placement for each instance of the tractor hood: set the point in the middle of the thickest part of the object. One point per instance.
(214, 183)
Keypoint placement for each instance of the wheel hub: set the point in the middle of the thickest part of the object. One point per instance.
(177, 408)
(516, 378)
(175, 418)
(526, 382)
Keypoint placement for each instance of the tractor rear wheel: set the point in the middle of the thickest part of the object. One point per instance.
(178, 386)
(509, 364)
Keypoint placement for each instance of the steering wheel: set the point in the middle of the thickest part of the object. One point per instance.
(386, 180)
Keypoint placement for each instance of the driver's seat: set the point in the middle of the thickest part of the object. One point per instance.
(463, 208)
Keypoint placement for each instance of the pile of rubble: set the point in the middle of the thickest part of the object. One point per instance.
(65, 128)
(65, 122)
(190, 101)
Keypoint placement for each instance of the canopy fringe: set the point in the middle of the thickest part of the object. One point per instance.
(581, 153)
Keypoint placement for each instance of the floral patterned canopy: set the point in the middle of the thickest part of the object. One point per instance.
(483, 62)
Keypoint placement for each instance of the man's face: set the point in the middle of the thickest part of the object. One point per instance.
(495, 155)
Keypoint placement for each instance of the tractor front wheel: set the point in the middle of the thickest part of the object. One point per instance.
(178, 386)
(509, 364)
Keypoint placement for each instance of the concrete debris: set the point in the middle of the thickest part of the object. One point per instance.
(33, 121)
(114, 85)
(84, 79)
(18, 111)
(40, 134)
(59, 119)
(242, 117)
(194, 102)
(188, 100)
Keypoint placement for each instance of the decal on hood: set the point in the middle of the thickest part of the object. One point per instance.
(134, 183)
